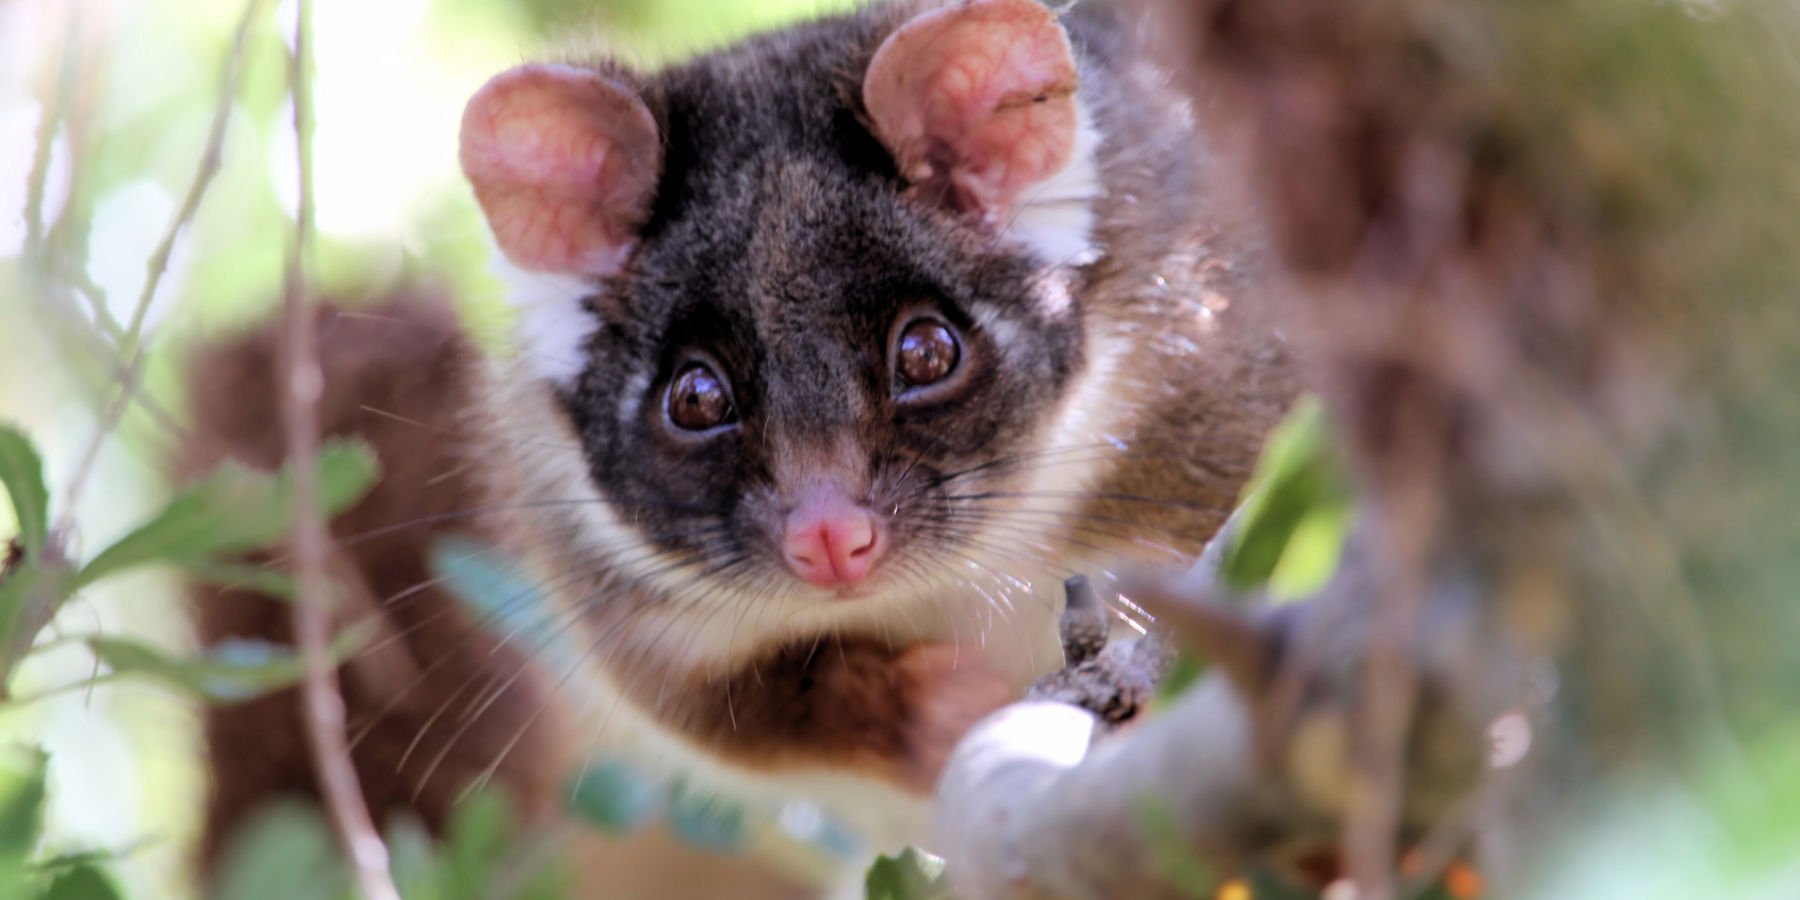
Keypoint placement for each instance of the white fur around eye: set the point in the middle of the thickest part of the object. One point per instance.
(1056, 218)
(554, 322)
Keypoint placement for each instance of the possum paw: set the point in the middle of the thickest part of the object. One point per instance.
(1113, 680)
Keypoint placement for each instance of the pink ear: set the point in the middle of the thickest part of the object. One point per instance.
(564, 163)
(976, 101)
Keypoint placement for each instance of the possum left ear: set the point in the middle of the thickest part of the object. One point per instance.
(564, 162)
(977, 104)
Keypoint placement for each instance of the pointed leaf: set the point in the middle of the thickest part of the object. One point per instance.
(1299, 489)
(615, 797)
(63, 861)
(14, 587)
(241, 576)
(84, 881)
(706, 820)
(285, 852)
(230, 671)
(233, 510)
(22, 474)
(1172, 853)
(1266, 885)
(1183, 672)
(18, 882)
(911, 875)
(21, 803)
(498, 590)
(477, 842)
(413, 860)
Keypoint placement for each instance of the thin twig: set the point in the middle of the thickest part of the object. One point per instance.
(321, 704)
(48, 124)
(130, 342)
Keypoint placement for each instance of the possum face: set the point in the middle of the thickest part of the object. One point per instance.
(805, 302)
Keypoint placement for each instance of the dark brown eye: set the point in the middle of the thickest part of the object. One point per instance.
(928, 353)
(697, 399)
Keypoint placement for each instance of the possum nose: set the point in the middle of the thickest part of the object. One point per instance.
(832, 542)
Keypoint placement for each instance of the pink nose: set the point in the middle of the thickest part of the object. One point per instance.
(831, 542)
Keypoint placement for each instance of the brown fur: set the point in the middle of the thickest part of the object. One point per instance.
(852, 703)
(403, 359)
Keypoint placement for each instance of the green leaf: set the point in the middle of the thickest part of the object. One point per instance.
(241, 576)
(1266, 885)
(497, 590)
(70, 860)
(18, 882)
(1299, 491)
(705, 819)
(1187, 669)
(21, 803)
(477, 842)
(483, 855)
(412, 858)
(1171, 852)
(29, 599)
(22, 474)
(615, 797)
(285, 853)
(233, 510)
(85, 881)
(232, 670)
(911, 875)
(14, 587)
(1313, 547)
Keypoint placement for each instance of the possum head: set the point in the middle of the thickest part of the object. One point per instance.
(806, 301)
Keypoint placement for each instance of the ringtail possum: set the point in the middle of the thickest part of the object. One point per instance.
(839, 349)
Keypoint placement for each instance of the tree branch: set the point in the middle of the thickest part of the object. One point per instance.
(321, 704)
(130, 340)
(1255, 765)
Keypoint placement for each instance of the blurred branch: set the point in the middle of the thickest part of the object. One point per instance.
(1255, 765)
(51, 122)
(1500, 284)
(48, 125)
(321, 704)
(210, 157)
(130, 341)
(1391, 675)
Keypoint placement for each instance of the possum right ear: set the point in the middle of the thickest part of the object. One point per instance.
(564, 162)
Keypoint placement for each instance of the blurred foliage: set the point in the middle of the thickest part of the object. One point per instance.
(232, 510)
(911, 874)
(22, 475)
(24, 876)
(614, 797)
(1285, 537)
(288, 853)
(497, 589)
(1289, 528)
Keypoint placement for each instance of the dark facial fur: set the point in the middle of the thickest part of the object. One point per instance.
(780, 250)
